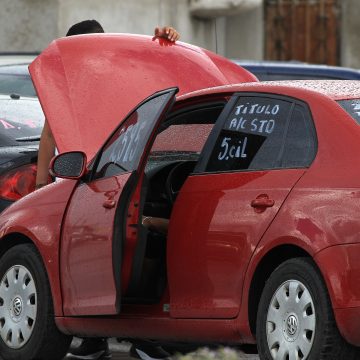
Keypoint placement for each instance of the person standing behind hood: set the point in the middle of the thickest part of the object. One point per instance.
(47, 144)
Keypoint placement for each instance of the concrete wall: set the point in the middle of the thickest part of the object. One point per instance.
(29, 25)
(139, 17)
(245, 35)
(350, 30)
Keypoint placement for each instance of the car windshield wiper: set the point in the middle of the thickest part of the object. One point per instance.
(28, 138)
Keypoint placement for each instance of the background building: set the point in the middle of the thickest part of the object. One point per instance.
(322, 31)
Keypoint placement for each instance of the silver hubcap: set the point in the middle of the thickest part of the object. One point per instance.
(18, 306)
(290, 322)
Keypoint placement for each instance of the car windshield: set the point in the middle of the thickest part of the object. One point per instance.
(21, 120)
(16, 84)
(352, 107)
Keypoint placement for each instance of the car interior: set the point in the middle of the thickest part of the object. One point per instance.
(172, 159)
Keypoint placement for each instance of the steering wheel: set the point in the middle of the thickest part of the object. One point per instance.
(176, 178)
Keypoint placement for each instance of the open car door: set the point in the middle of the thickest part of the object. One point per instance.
(99, 228)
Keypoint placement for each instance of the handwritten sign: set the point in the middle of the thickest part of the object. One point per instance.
(6, 124)
(250, 125)
(128, 144)
(124, 149)
(255, 115)
(234, 150)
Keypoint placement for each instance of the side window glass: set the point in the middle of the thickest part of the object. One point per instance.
(123, 151)
(252, 136)
(352, 107)
(300, 144)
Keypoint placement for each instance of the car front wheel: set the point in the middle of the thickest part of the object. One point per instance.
(27, 324)
(295, 320)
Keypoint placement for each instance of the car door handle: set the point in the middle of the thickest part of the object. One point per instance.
(109, 204)
(262, 202)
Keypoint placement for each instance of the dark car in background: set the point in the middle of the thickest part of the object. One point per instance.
(15, 79)
(21, 122)
(284, 70)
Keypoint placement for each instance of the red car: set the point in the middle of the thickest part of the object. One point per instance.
(259, 184)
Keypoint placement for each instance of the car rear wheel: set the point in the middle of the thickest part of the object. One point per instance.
(27, 324)
(295, 320)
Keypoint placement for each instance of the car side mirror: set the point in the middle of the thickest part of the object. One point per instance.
(69, 165)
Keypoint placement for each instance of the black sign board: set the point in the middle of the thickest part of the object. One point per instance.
(234, 150)
(253, 122)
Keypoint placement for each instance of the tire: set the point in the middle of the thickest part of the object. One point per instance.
(295, 318)
(27, 322)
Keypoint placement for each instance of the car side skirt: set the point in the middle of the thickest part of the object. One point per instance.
(185, 330)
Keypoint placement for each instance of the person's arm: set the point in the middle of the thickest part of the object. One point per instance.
(46, 153)
(156, 224)
(167, 32)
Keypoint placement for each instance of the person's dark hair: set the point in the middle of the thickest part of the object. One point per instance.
(85, 27)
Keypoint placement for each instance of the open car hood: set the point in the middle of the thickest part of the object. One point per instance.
(87, 84)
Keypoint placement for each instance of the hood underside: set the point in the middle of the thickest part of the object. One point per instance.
(87, 84)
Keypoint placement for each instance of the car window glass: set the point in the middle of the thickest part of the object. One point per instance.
(182, 136)
(21, 119)
(300, 144)
(352, 107)
(181, 142)
(16, 84)
(252, 135)
(123, 151)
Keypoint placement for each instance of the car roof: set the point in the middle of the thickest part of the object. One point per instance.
(16, 58)
(293, 69)
(333, 89)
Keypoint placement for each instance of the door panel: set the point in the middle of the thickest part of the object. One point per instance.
(87, 247)
(213, 231)
(225, 207)
(96, 228)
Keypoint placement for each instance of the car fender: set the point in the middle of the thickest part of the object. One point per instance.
(302, 229)
(284, 246)
(29, 218)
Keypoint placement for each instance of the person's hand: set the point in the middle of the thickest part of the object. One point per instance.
(167, 32)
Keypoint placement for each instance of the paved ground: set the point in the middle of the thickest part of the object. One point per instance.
(121, 351)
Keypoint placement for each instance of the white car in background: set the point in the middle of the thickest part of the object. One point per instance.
(17, 58)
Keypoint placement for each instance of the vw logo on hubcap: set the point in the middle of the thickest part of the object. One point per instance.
(17, 306)
(291, 325)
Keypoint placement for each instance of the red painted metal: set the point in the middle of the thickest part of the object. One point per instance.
(192, 330)
(341, 269)
(92, 81)
(217, 238)
(38, 216)
(87, 276)
(342, 274)
(348, 321)
(220, 229)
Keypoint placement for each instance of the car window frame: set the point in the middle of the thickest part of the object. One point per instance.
(205, 155)
(92, 166)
